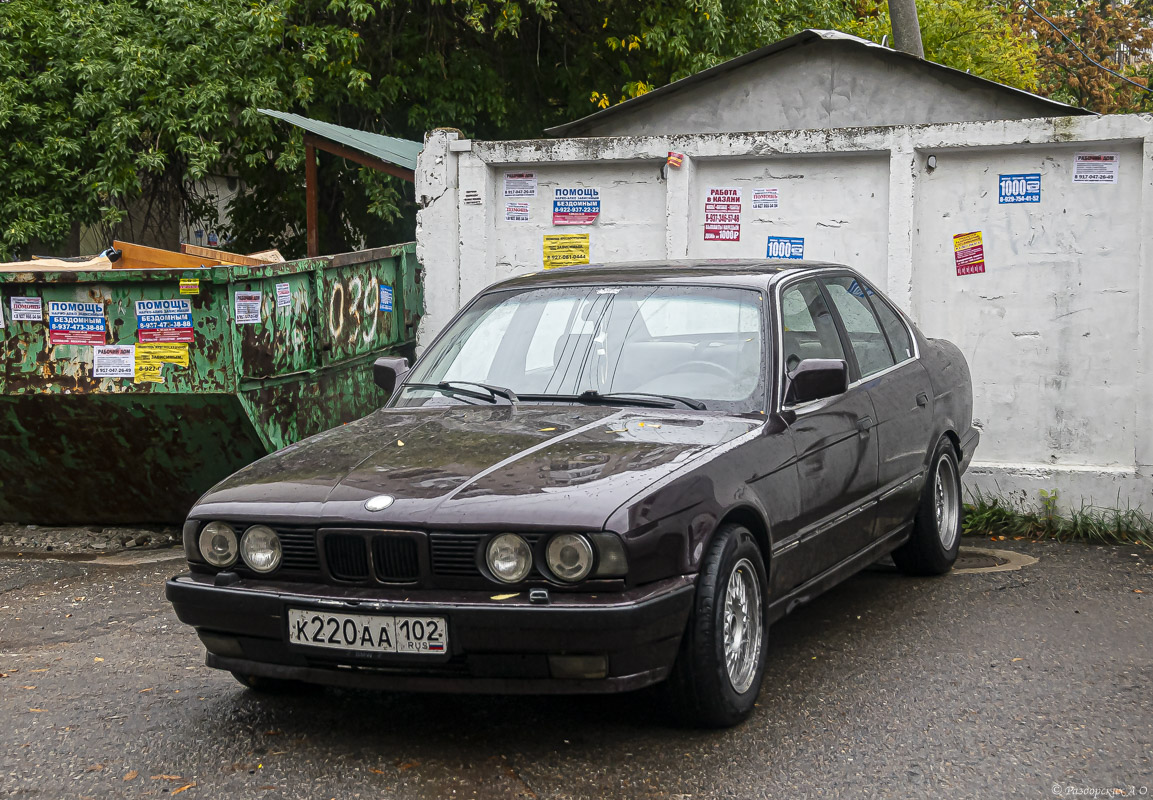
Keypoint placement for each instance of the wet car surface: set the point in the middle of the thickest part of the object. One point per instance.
(594, 480)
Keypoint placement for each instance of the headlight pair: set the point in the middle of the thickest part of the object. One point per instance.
(259, 546)
(568, 557)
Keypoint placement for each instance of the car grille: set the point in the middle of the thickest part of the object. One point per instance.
(298, 550)
(395, 558)
(347, 557)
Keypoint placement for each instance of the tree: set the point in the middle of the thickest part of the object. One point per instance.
(1114, 34)
(974, 36)
(111, 108)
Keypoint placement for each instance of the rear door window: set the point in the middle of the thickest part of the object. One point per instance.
(871, 348)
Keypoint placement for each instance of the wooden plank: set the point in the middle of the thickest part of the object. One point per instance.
(223, 256)
(55, 265)
(138, 256)
(372, 162)
(310, 200)
(268, 256)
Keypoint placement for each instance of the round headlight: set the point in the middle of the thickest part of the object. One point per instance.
(569, 556)
(260, 548)
(509, 558)
(218, 544)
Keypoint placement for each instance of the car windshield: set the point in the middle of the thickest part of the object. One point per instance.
(700, 343)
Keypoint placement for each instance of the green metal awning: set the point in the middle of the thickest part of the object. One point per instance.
(400, 152)
(382, 153)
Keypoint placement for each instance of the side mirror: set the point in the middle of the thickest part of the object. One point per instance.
(389, 372)
(816, 379)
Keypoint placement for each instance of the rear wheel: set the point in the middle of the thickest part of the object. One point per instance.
(936, 538)
(717, 677)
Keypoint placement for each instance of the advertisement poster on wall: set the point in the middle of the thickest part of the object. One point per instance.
(723, 215)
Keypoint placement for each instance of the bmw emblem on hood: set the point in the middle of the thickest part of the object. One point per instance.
(379, 503)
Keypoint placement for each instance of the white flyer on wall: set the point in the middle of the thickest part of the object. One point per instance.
(516, 212)
(283, 295)
(520, 184)
(765, 198)
(247, 308)
(1095, 167)
(113, 360)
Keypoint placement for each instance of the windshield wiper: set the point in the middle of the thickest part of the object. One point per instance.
(621, 398)
(448, 388)
(696, 405)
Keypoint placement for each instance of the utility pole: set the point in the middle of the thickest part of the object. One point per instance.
(906, 29)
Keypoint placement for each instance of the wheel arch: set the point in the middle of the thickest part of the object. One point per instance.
(749, 517)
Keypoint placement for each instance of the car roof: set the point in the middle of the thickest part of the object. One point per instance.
(752, 273)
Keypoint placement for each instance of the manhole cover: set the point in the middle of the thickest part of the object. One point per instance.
(981, 559)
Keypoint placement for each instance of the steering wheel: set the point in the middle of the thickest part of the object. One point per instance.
(708, 366)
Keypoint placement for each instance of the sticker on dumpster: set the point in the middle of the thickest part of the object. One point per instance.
(283, 295)
(247, 307)
(190, 285)
(164, 320)
(146, 367)
(766, 198)
(576, 205)
(520, 184)
(1019, 188)
(565, 249)
(723, 215)
(516, 212)
(385, 298)
(969, 253)
(785, 247)
(113, 361)
(1095, 167)
(75, 323)
(164, 352)
(27, 309)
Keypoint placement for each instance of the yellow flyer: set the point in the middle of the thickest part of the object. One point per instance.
(565, 250)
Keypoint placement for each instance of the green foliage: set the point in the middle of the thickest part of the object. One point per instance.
(989, 516)
(970, 35)
(112, 112)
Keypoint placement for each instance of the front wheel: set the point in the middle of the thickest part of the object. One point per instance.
(718, 672)
(936, 538)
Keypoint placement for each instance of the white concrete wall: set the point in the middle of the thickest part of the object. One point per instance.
(1056, 330)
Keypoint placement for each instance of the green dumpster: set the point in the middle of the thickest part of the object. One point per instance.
(200, 372)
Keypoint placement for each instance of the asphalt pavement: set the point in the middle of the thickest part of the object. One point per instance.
(1028, 683)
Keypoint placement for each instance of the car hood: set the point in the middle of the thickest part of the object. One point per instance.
(468, 467)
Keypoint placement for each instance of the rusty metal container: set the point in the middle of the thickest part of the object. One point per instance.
(79, 448)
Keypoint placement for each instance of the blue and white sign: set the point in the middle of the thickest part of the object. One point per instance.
(385, 298)
(857, 290)
(576, 205)
(785, 247)
(75, 323)
(164, 320)
(1019, 188)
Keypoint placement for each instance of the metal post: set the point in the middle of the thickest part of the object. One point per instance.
(906, 28)
(310, 203)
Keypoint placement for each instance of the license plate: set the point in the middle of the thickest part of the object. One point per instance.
(368, 633)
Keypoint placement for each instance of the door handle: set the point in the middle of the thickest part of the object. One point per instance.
(864, 423)
(922, 399)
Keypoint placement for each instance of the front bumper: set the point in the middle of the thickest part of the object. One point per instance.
(968, 445)
(500, 646)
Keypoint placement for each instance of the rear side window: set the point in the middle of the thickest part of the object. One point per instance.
(895, 329)
(865, 335)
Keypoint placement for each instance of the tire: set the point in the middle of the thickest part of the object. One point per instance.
(278, 686)
(936, 538)
(703, 690)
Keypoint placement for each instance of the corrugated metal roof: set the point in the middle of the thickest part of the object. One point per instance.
(804, 37)
(400, 152)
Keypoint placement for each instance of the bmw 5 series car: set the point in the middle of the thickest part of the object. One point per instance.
(593, 480)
